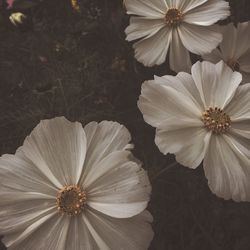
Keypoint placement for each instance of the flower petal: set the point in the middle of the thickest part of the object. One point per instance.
(243, 40)
(142, 27)
(244, 62)
(153, 50)
(227, 168)
(103, 139)
(179, 58)
(187, 141)
(158, 102)
(26, 194)
(57, 147)
(216, 83)
(17, 216)
(156, 9)
(207, 13)
(79, 236)
(239, 109)
(228, 45)
(48, 233)
(241, 128)
(184, 83)
(110, 233)
(18, 175)
(17, 240)
(215, 56)
(186, 5)
(118, 187)
(198, 39)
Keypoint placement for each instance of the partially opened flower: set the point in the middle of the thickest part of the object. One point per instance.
(234, 49)
(181, 25)
(70, 187)
(17, 18)
(204, 117)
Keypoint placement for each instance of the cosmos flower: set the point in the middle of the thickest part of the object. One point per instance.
(70, 187)
(178, 26)
(234, 49)
(205, 117)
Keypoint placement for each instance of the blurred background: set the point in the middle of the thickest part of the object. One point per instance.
(70, 58)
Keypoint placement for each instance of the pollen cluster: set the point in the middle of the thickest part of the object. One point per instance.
(173, 17)
(217, 120)
(71, 200)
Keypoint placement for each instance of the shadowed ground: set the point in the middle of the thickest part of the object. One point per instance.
(80, 66)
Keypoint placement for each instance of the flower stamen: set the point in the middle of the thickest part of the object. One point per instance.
(173, 17)
(217, 120)
(71, 200)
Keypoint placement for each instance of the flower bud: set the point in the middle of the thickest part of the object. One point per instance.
(17, 18)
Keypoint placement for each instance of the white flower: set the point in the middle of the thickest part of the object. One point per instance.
(182, 25)
(234, 49)
(77, 188)
(17, 18)
(204, 117)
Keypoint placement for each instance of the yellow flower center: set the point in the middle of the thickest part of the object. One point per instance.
(233, 64)
(173, 17)
(71, 200)
(217, 120)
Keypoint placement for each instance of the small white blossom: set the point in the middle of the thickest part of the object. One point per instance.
(234, 49)
(177, 26)
(205, 117)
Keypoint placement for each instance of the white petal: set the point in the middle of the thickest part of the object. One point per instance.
(244, 61)
(184, 83)
(57, 147)
(49, 233)
(153, 50)
(239, 109)
(227, 169)
(19, 175)
(156, 9)
(228, 45)
(103, 139)
(243, 39)
(79, 237)
(198, 39)
(186, 5)
(26, 194)
(19, 241)
(187, 141)
(112, 234)
(17, 216)
(158, 102)
(208, 13)
(119, 187)
(241, 128)
(141, 27)
(215, 56)
(179, 56)
(216, 83)
(235, 41)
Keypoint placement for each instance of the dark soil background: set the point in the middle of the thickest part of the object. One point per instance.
(61, 62)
